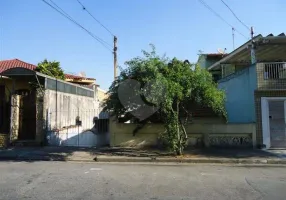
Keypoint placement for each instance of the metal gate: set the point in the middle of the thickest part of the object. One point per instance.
(77, 128)
(277, 124)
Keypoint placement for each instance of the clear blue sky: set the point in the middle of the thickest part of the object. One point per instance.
(32, 31)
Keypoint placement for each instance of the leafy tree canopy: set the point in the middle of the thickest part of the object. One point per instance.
(51, 68)
(170, 88)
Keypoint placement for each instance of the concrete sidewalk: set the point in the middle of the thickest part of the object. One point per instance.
(223, 156)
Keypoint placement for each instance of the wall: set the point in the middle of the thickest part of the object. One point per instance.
(9, 86)
(205, 61)
(3, 140)
(239, 88)
(199, 134)
(14, 126)
(101, 94)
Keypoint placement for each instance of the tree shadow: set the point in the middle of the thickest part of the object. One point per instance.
(236, 153)
(48, 153)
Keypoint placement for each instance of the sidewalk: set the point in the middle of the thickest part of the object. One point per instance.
(223, 156)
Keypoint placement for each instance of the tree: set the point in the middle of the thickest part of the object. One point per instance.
(51, 68)
(156, 89)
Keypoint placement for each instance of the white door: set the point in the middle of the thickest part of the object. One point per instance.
(277, 124)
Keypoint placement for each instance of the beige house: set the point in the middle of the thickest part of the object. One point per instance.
(60, 105)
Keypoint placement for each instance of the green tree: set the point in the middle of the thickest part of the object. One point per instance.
(51, 68)
(176, 86)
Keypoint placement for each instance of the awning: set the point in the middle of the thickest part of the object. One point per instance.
(268, 49)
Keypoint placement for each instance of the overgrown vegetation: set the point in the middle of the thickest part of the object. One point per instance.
(175, 86)
(51, 68)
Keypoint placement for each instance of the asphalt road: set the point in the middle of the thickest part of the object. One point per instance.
(93, 181)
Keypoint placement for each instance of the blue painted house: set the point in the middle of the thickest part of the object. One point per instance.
(255, 91)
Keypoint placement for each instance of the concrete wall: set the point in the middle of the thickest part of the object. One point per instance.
(14, 126)
(199, 134)
(239, 88)
(204, 61)
(10, 86)
(101, 94)
(3, 140)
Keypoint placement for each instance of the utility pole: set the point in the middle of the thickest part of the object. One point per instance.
(233, 37)
(253, 56)
(115, 57)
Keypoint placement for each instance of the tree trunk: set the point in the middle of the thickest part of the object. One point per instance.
(184, 130)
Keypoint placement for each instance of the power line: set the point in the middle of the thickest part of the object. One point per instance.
(63, 13)
(70, 18)
(96, 37)
(208, 7)
(84, 8)
(235, 15)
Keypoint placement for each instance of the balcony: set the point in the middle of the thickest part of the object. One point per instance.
(271, 75)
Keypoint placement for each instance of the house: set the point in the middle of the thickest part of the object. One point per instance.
(208, 59)
(27, 113)
(255, 87)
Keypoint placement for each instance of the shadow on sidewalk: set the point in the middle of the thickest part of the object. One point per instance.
(195, 153)
(31, 154)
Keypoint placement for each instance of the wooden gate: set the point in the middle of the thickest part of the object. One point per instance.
(27, 116)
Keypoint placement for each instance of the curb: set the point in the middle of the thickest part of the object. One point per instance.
(117, 159)
(191, 160)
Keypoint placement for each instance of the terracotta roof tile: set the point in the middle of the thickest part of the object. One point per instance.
(9, 64)
(14, 63)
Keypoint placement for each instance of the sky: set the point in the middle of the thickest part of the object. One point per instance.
(31, 31)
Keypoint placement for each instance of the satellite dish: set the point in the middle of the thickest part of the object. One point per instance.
(221, 51)
(82, 74)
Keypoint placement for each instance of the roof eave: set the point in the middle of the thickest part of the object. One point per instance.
(232, 54)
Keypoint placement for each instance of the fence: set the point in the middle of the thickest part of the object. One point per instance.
(85, 128)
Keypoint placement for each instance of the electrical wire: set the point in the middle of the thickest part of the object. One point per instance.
(235, 15)
(214, 12)
(85, 9)
(67, 15)
(63, 13)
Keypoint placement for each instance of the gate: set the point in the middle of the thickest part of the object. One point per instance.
(77, 128)
(277, 124)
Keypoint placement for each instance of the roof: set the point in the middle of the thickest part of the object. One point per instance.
(268, 49)
(16, 63)
(214, 54)
(71, 76)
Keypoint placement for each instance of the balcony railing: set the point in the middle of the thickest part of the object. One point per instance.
(271, 75)
(274, 71)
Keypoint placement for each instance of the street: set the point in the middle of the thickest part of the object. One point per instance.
(92, 181)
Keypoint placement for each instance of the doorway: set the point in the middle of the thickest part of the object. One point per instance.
(27, 116)
(274, 122)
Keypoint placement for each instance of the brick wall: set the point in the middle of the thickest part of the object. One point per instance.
(3, 140)
(258, 95)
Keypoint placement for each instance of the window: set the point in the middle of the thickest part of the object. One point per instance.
(275, 71)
